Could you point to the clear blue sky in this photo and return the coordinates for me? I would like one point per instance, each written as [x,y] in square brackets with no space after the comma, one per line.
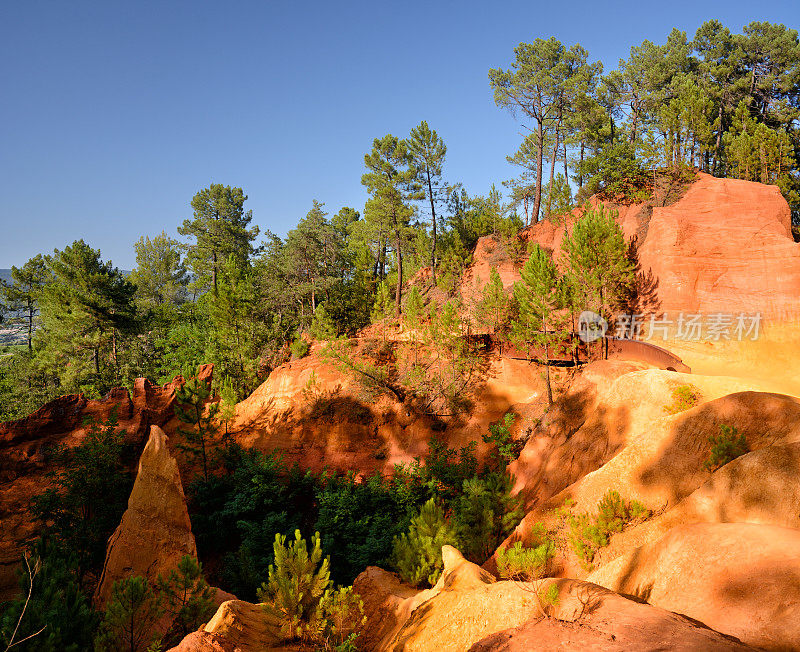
[113,114]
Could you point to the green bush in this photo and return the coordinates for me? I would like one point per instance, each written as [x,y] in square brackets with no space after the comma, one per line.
[299,348]
[299,594]
[187,597]
[725,447]
[485,514]
[417,555]
[500,435]
[683,398]
[358,521]
[527,564]
[57,608]
[587,533]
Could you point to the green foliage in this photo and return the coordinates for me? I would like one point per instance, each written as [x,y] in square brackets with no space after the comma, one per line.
[300,347]
[322,326]
[526,564]
[297,583]
[725,447]
[417,555]
[87,309]
[130,618]
[192,408]
[160,275]
[413,308]
[343,612]
[539,298]
[187,598]
[485,514]
[88,494]
[500,436]
[492,310]
[358,521]
[56,607]
[683,398]
[219,228]
[587,533]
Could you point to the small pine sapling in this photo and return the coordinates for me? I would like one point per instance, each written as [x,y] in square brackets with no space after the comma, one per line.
[725,447]
[191,409]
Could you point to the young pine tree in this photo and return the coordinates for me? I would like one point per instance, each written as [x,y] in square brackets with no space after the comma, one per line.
[131,615]
[297,583]
[417,555]
[188,598]
[492,309]
[383,307]
[538,297]
[190,408]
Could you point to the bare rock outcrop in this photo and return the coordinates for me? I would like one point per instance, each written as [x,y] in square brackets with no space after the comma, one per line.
[155,531]
[741,579]
[469,609]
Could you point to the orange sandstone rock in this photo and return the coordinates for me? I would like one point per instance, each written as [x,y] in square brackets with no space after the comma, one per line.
[155,532]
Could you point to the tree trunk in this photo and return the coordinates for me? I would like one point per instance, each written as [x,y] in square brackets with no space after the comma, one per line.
[547,371]
[433,221]
[398,294]
[552,174]
[537,199]
[214,271]
[580,173]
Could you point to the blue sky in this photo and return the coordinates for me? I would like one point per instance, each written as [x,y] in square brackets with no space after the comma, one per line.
[114,114]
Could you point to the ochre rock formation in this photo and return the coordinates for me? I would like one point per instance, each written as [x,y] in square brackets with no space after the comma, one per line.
[725,246]
[155,532]
[741,579]
[758,487]
[318,416]
[610,623]
[237,626]
[469,609]
[23,443]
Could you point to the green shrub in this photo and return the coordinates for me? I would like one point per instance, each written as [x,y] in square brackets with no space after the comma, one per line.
[587,533]
[50,602]
[725,447]
[417,555]
[485,514]
[500,435]
[299,348]
[187,597]
[527,564]
[343,613]
[683,398]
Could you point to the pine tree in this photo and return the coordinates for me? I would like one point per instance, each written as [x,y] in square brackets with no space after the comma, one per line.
[485,514]
[187,598]
[595,255]
[51,603]
[298,580]
[130,618]
[493,307]
[538,296]
[190,408]
[219,227]
[428,151]
[21,297]
[417,555]
[383,307]
[412,311]
[391,180]
[86,307]
[322,326]
[160,275]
